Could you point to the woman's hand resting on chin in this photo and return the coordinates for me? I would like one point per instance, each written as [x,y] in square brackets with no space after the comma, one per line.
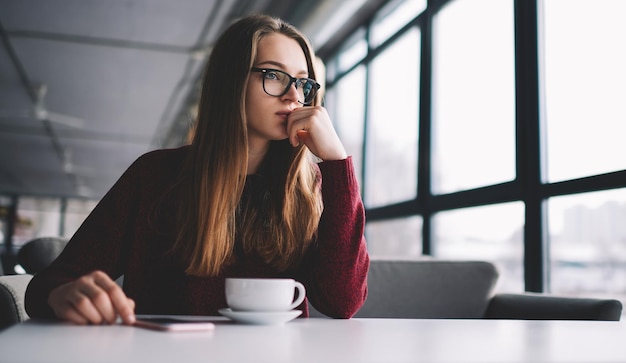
[312,126]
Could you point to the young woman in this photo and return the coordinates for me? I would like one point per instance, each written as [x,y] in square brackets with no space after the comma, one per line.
[244,199]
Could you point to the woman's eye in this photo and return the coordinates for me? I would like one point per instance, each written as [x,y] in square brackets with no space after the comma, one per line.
[272,75]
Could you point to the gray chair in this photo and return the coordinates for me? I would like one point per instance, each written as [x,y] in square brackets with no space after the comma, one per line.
[12,290]
[428,289]
[531,306]
[38,253]
[439,289]
[34,256]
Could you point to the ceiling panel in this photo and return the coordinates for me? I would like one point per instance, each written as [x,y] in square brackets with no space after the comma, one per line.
[161,22]
[122,67]
[123,88]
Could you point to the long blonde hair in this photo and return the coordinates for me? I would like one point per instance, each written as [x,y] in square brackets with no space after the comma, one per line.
[210,215]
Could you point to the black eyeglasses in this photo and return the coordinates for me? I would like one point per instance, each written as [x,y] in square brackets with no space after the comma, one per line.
[276,83]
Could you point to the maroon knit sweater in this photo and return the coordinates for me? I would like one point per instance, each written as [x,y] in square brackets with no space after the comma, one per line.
[134,226]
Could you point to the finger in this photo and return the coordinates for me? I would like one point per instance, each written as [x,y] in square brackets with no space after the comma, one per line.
[298,121]
[72,316]
[294,129]
[116,302]
[82,303]
[129,319]
[101,296]
[101,301]
[66,311]
[61,300]
[302,136]
[131,303]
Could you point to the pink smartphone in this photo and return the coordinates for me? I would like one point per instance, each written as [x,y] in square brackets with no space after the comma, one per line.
[173,324]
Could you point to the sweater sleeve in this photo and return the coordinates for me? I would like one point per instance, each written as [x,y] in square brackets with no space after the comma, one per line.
[98,244]
[336,266]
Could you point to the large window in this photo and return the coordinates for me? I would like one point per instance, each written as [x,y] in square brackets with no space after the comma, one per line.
[396,238]
[585,87]
[473,95]
[391,145]
[36,217]
[31,217]
[493,233]
[491,129]
[75,213]
[587,237]
[347,99]
[585,118]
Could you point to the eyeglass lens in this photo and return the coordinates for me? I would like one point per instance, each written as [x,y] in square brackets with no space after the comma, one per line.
[277,83]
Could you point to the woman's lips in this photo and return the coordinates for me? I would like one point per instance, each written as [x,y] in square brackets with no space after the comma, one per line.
[283,114]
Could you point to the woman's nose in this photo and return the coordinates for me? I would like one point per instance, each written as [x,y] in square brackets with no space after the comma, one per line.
[292,93]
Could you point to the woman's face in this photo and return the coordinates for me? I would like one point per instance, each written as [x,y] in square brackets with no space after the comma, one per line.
[267,115]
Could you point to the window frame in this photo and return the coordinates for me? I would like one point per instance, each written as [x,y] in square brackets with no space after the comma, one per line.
[528,185]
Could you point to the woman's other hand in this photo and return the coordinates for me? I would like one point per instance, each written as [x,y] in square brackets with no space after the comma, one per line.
[92,299]
[312,126]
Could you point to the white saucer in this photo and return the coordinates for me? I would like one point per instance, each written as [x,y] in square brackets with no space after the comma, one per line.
[260,318]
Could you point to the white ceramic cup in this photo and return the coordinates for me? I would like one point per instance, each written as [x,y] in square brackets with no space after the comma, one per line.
[256,294]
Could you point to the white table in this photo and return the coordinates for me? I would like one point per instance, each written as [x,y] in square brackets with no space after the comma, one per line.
[323,341]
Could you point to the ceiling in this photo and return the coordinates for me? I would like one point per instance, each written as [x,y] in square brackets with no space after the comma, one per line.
[87,86]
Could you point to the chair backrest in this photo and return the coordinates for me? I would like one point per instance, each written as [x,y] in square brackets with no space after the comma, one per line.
[38,253]
[533,306]
[428,288]
[12,290]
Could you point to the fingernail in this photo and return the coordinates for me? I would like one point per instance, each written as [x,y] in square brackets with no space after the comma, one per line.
[130,319]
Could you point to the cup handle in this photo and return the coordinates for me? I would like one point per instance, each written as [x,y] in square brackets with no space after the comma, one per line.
[301,295]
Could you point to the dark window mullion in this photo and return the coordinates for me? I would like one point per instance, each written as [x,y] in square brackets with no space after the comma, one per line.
[528,151]
[424,194]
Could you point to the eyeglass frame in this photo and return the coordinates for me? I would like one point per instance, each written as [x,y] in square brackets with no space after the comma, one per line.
[292,80]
